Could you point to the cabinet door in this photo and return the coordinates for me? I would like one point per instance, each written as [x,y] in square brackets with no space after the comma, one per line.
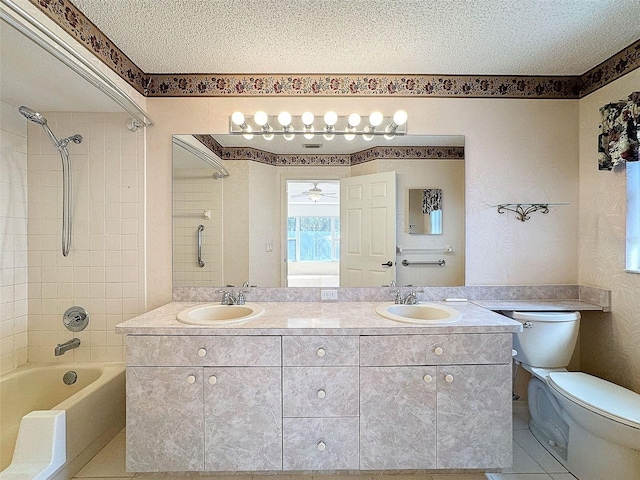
[474,416]
[243,418]
[397,418]
[164,419]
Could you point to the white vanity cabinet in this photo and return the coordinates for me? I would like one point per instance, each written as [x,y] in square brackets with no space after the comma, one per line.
[320,402]
[204,403]
[435,401]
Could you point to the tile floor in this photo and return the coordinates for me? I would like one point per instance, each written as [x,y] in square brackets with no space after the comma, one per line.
[530,462]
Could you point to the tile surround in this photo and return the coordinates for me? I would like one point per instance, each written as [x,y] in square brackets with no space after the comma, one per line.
[104,270]
[13,238]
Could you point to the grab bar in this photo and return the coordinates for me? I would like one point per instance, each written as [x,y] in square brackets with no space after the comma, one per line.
[435,262]
[200,229]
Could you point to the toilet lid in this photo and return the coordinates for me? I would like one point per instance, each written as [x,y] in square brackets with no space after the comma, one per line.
[602,397]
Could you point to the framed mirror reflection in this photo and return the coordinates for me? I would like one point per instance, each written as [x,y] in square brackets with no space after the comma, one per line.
[269,215]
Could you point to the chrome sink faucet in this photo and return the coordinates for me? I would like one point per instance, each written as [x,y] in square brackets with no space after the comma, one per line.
[410,299]
[229,298]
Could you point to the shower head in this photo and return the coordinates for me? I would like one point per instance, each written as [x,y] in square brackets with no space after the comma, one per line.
[32,115]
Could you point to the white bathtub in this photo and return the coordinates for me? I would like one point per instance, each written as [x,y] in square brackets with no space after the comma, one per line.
[94,406]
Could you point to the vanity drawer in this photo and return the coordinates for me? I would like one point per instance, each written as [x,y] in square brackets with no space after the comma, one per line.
[193,350]
[467,348]
[320,391]
[298,351]
[320,443]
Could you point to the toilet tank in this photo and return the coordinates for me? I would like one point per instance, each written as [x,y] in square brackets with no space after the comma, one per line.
[547,339]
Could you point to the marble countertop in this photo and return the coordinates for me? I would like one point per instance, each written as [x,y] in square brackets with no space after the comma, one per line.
[318,318]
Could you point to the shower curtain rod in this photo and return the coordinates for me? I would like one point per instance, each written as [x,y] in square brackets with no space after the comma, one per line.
[208,159]
[75,61]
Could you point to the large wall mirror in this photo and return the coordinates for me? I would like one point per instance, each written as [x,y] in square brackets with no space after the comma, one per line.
[280,214]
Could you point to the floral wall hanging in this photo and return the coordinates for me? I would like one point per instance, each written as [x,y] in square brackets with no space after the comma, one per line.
[618,139]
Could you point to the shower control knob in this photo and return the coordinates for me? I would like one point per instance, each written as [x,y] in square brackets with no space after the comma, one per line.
[448,378]
[321,352]
[191,379]
[202,352]
[438,351]
[75,319]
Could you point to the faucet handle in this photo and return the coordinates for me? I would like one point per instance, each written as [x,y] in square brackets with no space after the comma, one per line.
[398,297]
[225,297]
[241,299]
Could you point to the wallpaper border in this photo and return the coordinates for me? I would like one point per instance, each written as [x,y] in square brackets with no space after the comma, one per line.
[76,24]
[357,158]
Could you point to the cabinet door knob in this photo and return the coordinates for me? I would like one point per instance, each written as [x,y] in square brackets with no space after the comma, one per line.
[427,378]
[322,394]
[202,352]
[321,352]
[438,351]
[191,379]
[448,378]
[321,446]
[213,379]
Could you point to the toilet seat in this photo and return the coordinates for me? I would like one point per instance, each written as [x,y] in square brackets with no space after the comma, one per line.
[599,396]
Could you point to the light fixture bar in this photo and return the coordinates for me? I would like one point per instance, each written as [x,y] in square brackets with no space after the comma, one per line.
[329,124]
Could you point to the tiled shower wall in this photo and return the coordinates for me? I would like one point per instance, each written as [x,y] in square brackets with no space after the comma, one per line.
[104,272]
[195,191]
[13,238]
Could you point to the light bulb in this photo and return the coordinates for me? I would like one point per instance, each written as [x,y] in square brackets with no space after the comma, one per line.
[307,118]
[354,120]
[367,137]
[349,136]
[248,135]
[289,136]
[268,136]
[389,136]
[308,132]
[285,119]
[237,118]
[328,136]
[330,118]
[400,117]
[261,118]
[376,118]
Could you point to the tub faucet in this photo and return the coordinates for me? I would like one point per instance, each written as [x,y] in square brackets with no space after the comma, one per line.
[63,347]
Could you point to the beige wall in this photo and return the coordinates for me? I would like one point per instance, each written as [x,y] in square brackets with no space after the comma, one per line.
[516,151]
[610,344]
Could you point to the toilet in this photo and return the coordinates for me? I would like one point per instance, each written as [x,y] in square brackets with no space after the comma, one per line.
[589,425]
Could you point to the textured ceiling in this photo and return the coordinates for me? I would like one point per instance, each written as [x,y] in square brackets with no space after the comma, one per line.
[472,37]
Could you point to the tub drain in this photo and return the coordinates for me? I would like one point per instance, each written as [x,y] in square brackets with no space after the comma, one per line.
[70,377]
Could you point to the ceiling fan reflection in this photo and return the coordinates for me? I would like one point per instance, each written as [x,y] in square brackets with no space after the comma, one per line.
[314,194]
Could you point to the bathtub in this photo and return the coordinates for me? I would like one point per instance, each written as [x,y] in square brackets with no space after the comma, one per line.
[94,407]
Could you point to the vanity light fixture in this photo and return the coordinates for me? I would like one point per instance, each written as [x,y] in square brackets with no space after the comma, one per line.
[329,125]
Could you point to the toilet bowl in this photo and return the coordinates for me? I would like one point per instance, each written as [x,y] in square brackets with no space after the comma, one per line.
[590,425]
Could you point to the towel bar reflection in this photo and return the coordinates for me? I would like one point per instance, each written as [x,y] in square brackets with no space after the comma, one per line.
[200,230]
[435,262]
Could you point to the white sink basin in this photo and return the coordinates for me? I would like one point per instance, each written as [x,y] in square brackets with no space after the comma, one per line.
[423,313]
[216,314]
